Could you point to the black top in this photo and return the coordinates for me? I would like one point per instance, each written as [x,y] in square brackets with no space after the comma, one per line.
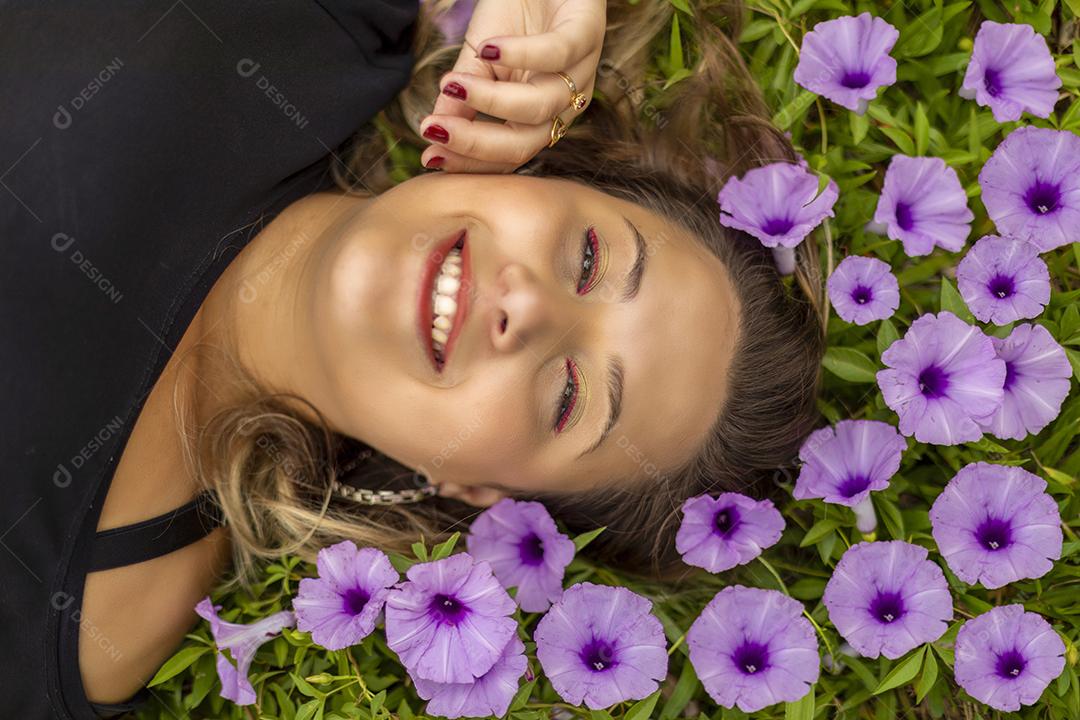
[142,146]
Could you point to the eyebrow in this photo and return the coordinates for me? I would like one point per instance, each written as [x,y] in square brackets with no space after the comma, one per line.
[615,385]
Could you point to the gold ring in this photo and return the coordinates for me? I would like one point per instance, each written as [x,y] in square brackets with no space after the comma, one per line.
[558,129]
[577,99]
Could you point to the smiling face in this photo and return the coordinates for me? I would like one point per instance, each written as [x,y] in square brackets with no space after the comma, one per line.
[579,308]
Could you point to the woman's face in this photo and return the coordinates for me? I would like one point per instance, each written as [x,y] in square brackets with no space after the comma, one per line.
[563,332]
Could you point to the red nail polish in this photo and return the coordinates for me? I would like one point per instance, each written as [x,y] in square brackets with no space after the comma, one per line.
[454,90]
[437,133]
[435,161]
[489,52]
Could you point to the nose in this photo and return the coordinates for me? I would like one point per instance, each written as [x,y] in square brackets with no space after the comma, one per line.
[525,311]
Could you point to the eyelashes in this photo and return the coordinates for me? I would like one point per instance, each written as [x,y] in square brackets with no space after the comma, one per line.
[590,262]
[591,272]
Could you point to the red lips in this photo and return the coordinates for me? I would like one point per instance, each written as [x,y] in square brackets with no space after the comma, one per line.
[425,315]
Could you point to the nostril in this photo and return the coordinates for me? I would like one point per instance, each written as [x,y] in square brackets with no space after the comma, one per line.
[502,324]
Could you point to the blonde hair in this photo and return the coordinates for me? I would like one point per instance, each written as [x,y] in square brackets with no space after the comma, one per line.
[271,467]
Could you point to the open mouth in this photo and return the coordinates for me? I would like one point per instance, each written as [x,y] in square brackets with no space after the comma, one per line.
[443,301]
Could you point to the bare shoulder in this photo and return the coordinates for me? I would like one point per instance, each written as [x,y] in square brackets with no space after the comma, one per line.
[133,618]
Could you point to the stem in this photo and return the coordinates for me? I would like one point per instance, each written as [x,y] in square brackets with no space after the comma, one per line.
[824,125]
[675,645]
[828,269]
[828,647]
[775,574]
[359,677]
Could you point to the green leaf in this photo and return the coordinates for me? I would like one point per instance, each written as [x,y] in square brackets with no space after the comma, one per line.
[921,130]
[303,686]
[684,691]
[850,364]
[179,662]
[922,35]
[801,709]
[585,538]
[377,702]
[904,672]
[682,5]
[420,551]
[860,124]
[308,709]
[952,301]
[794,110]
[642,709]
[818,531]
[886,335]
[900,139]
[521,697]
[675,51]
[928,677]
[443,549]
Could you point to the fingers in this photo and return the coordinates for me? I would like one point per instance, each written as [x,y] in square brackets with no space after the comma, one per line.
[436,157]
[579,33]
[543,96]
[467,64]
[496,142]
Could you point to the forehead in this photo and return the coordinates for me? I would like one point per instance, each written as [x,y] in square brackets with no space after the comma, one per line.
[677,340]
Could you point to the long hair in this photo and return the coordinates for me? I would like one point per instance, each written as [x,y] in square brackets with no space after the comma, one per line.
[271,467]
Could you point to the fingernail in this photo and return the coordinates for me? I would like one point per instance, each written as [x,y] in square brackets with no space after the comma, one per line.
[437,133]
[454,90]
[435,161]
[489,52]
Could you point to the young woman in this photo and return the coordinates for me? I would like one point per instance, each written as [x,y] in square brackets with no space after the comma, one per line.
[229,333]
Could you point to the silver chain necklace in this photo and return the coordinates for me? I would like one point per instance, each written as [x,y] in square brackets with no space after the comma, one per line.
[365,496]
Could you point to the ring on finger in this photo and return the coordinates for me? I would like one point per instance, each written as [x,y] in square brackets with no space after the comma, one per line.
[577,99]
[558,129]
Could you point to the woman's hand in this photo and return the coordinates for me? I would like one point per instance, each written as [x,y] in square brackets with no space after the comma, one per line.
[521,44]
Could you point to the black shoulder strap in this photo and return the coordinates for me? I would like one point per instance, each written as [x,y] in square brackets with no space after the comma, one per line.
[157,536]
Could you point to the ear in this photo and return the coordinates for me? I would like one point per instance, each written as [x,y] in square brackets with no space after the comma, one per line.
[474,495]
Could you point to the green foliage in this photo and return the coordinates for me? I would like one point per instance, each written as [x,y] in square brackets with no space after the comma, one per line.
[920,114]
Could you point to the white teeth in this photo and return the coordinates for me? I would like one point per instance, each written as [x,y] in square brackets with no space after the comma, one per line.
[448,285]
[444,301]
[445,305]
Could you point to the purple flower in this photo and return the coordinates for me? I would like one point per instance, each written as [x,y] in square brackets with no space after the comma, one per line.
[525,550]
[994,524]
[242,641]
[450,622]
[844,465]
[489,695]
[1031,187]
[1003,280]
[753,648]
[847,60]
[923,205]
[776,203]
[1007,657]
[601,645]
[943,378]
[731,529]
[886,598]
[1037,381]
[862,289]
[340,607]
[1011,70]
